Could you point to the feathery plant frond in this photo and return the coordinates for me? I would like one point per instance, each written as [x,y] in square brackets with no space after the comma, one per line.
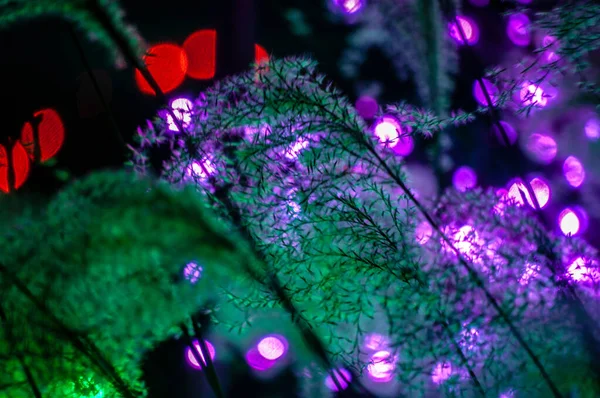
[328,207]
[84,14]
[109,249]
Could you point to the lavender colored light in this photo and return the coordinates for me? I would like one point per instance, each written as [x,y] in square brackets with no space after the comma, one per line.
[272,347]
[469,27]
[531,94]
[551,44]
[464,178]
[423,232]
[580,272]
[517,29]
[182,107]
[294,150]
[531,271]
[542,147]
[541,190]
[569,222]
[257,361]
[490,88]
[200,168]
[349,6]
[192,272]
[366,107]
[392,135]
[573,171]
[441,372]
[189,355]
[510,131]
[342,376]
[375,341]
[381,368]
[592,129]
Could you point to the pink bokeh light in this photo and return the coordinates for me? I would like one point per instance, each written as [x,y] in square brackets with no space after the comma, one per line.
[464,178]
[272,347]
[375,341]
[532,94]
[551,45]
[579,270]
[182,108]
[573,171]
[201,169]
[342,376]
[382,366]
[257,361]
[349,6]
[441,372]
[569,222]
[192,272]
[491,89]
[592,129]
[542,148]
[391,134]
[541,190]
[517,29]
[366,107]
[469,27]
[423,232]
[510,131]
[189,355]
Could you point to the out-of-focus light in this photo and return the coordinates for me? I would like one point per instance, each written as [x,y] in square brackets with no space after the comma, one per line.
[391,134]
[531,271]
[182,108]
[517,29]
[580,272]
[464,178]
[294,150]
[507,394]
[541,190]
[381,368]
[510,131]
[542,147]
[573,171]
[375,341]
[189,355]
[168,65]
[569,222]
[469,338]
[469,27]
[201,50]
[349,6]
[592,129]
[551,45]
[423,232]
[532,94]
[342,376]
[192,272]
[200,168]
[366,107]
[441,372]
[257,361]
[491,89]
[272,347]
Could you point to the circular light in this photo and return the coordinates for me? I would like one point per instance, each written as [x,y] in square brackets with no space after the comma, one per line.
[349,6]
[510,131]
[480,96]
[257,361]
[533,95]
[469,28]
[580,272]
[392,135]
[517,29]
[441,372]
[592,129]
[569,222]
[542,147]
[541,190]
[192,272]
[189,355]
[464,178]
[342,376]
[382,366]
[573,171]
[271,348]
[182,108]
[201,169]
[167,63]
[366,107]
[201,50]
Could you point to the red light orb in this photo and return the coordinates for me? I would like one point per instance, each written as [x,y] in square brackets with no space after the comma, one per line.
[201,50]
[50,135]
[17,163]
[168,65]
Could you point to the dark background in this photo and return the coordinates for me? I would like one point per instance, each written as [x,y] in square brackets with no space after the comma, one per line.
[41,68]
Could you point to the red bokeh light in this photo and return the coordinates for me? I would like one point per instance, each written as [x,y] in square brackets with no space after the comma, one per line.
[260,54]
[167,63]
[18,161]
[50,135]
[201,50]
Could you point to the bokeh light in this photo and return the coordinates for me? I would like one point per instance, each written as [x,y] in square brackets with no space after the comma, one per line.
[592,129]
[464,178]
[423,232]
[201,169]
[541,190]
[349,6]
[168,65]
[375,341]
[192,272]
[342,376]
[469,27]
[510,131]
[294,150]
[366,106]
[551,45]
[441,372]
[517,29]
[542,148]
[573,171]
[20,167]
[569,222]
[580,272]
[257,361]
[272,347]
[50,135]
[391,134]
[189,355]
[491,89]
[381,368]
[531,271]
[201,50]
[182,107]
[532,94]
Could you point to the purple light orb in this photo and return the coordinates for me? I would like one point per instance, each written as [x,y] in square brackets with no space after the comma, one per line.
[592,129]
[469,27]
[182,108]
[531,94]
[381,368]
[294,150]
[510,131]
[375,342]
[201,169]
[573,171]
[342,376]
[542,147]
[192,272]
[517,29]
[349,7]
[517,190]
[272,347]
[551,45]
[491,89]
[423,232]
[257,361]
[464,178]
[580,272]
[189,355]
[569,222]
[366,107]
[441,372]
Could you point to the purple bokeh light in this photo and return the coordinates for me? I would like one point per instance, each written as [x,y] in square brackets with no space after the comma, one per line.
[349,6]
[469,27]
[391,134]
[272,347]
[441,372]
[517,29]
[510,131]
[573,171]
[569,222]
[381,368]
[192,272]
[342,375]
[257,361]
[182,108]
[366,107]
[535,95]
[541,190]
[423,232]
[464,178]
[531,271]
[200,168]
[592,129]
[490,88]
[579,271]
[376,342]
[542,147]
[189,355]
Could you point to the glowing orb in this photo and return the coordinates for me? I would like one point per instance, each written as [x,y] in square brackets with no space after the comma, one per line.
[592,129]
[366,107]
[480,96]
[533,95]
[189,355]
[201,169]
[580,272]
[464,178]
[469,27]
[517,29]
[349,6]
[257,361]
[168,65]
[342,376]
[423,232]
[382,366]
[511,133]
[192,272]
[542,148]
[182,107]
[18,163]
[375,341]
[50,135]
[271,347]
[569,222]
[541,190]
[441,372]
[201,50]
[573,171]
